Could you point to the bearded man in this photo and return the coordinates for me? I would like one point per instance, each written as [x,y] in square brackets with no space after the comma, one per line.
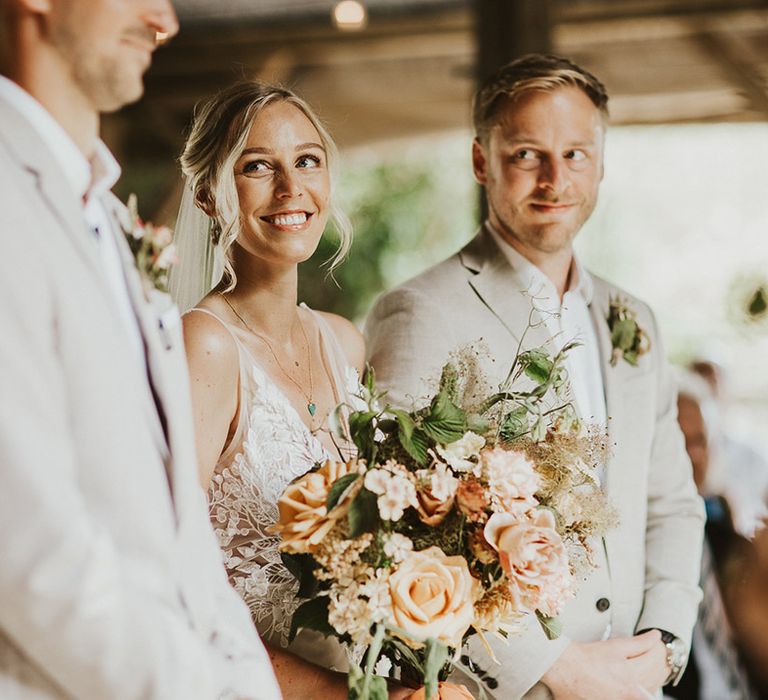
[540,125]
[111,579]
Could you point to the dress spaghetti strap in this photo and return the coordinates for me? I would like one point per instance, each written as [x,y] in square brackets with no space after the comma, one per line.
[244,357]
[337,359]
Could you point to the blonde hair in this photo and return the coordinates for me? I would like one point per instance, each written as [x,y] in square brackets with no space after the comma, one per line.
[529,73]
[216,141]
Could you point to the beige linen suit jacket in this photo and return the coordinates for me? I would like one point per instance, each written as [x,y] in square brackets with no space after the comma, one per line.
[648,567]
[111,579]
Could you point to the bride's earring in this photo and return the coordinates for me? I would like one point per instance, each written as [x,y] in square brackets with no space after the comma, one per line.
[214,230]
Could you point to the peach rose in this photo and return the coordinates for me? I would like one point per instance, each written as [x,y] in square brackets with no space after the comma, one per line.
[304,520]
[472,499]
[445,691]
[437,488]
[431,510]
[433,595]
[534,558]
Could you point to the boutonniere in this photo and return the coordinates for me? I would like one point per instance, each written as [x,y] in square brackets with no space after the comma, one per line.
[627,338]
[152,246]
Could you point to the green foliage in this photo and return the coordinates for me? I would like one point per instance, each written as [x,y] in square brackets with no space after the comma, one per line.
[437,656]
[302,566]
[413,440]
[338,488]
[627,338]
[363,513]
[536,365]
[445,421]
[375,689]
[368,686]
[449,537]
[552,626]
[312,615]
[407,214]
[363,433]
[515,424]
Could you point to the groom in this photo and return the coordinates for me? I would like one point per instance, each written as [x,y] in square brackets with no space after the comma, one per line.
[540,125]
[111,581]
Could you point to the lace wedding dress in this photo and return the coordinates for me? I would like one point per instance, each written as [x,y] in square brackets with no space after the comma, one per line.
[271,446]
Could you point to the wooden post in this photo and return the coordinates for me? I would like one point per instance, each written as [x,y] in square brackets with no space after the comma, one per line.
[505,30]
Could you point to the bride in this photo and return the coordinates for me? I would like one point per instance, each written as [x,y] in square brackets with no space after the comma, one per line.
[266,372]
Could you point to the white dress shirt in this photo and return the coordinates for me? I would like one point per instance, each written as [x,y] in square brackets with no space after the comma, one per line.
[89,181]
[566,321]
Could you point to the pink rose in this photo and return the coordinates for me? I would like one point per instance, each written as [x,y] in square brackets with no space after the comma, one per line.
[512,480]
[534,558]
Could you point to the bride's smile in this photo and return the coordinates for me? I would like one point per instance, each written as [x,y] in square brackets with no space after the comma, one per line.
[283,186]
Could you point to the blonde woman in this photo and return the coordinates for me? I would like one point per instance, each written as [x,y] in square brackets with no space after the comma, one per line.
[266,371]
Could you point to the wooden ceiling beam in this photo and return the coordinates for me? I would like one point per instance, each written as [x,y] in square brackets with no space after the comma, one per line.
[739,62]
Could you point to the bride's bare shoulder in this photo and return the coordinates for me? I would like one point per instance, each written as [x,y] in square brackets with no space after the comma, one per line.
[206,336]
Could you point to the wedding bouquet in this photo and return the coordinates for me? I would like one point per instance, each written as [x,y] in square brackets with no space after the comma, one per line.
[463,517]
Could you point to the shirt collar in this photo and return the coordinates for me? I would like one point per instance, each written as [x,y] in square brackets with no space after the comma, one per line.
[537,282]
[87,179]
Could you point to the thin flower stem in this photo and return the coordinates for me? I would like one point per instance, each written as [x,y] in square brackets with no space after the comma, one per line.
[371,656]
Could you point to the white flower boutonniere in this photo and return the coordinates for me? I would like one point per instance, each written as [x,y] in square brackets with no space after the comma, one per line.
[627,338]
[152,247]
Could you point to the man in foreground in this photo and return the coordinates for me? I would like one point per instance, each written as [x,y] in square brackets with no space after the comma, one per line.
[111,582]
[540,126]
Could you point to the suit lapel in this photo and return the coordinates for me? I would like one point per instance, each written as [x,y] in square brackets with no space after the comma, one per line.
[620,426]
[501,290]
[157,398]
[32,153]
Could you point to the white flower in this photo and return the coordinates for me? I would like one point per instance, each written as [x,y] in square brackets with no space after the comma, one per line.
[457,454]
[390,508]
[442,483]
[167,258]
[348,613]
[394,488]
[383,666]
[162,236]
[377,481]
[397,547]
[400,493]
[376,589]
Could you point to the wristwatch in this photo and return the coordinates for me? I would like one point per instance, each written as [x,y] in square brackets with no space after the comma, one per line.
[677,653]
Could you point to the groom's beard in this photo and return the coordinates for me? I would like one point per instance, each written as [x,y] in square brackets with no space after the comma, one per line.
[534,231]
[109,75]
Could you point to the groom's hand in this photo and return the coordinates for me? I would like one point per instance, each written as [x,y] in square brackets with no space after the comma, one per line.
[626,668]
[651,666]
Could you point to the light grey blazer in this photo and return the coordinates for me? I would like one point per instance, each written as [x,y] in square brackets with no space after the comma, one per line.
[648,572]
[111,580]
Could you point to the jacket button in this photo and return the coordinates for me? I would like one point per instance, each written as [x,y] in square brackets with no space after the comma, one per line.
[603,604]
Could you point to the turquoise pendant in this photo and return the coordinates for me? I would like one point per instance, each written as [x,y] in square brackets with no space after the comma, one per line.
[311,408]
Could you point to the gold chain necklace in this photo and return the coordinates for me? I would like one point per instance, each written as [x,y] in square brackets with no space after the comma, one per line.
[311,406]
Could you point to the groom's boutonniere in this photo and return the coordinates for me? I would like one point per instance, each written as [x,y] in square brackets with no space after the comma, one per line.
[627,338]
[152,248]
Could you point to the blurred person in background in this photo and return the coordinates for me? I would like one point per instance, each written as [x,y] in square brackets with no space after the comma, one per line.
[738,471]
[716,669]
[747,603]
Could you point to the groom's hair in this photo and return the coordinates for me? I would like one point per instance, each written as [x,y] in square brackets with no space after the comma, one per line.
[533,72]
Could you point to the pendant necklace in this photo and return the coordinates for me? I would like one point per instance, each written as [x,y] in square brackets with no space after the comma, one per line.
[311,406]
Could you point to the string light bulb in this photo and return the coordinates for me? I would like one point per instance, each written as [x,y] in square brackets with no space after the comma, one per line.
[350,15]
